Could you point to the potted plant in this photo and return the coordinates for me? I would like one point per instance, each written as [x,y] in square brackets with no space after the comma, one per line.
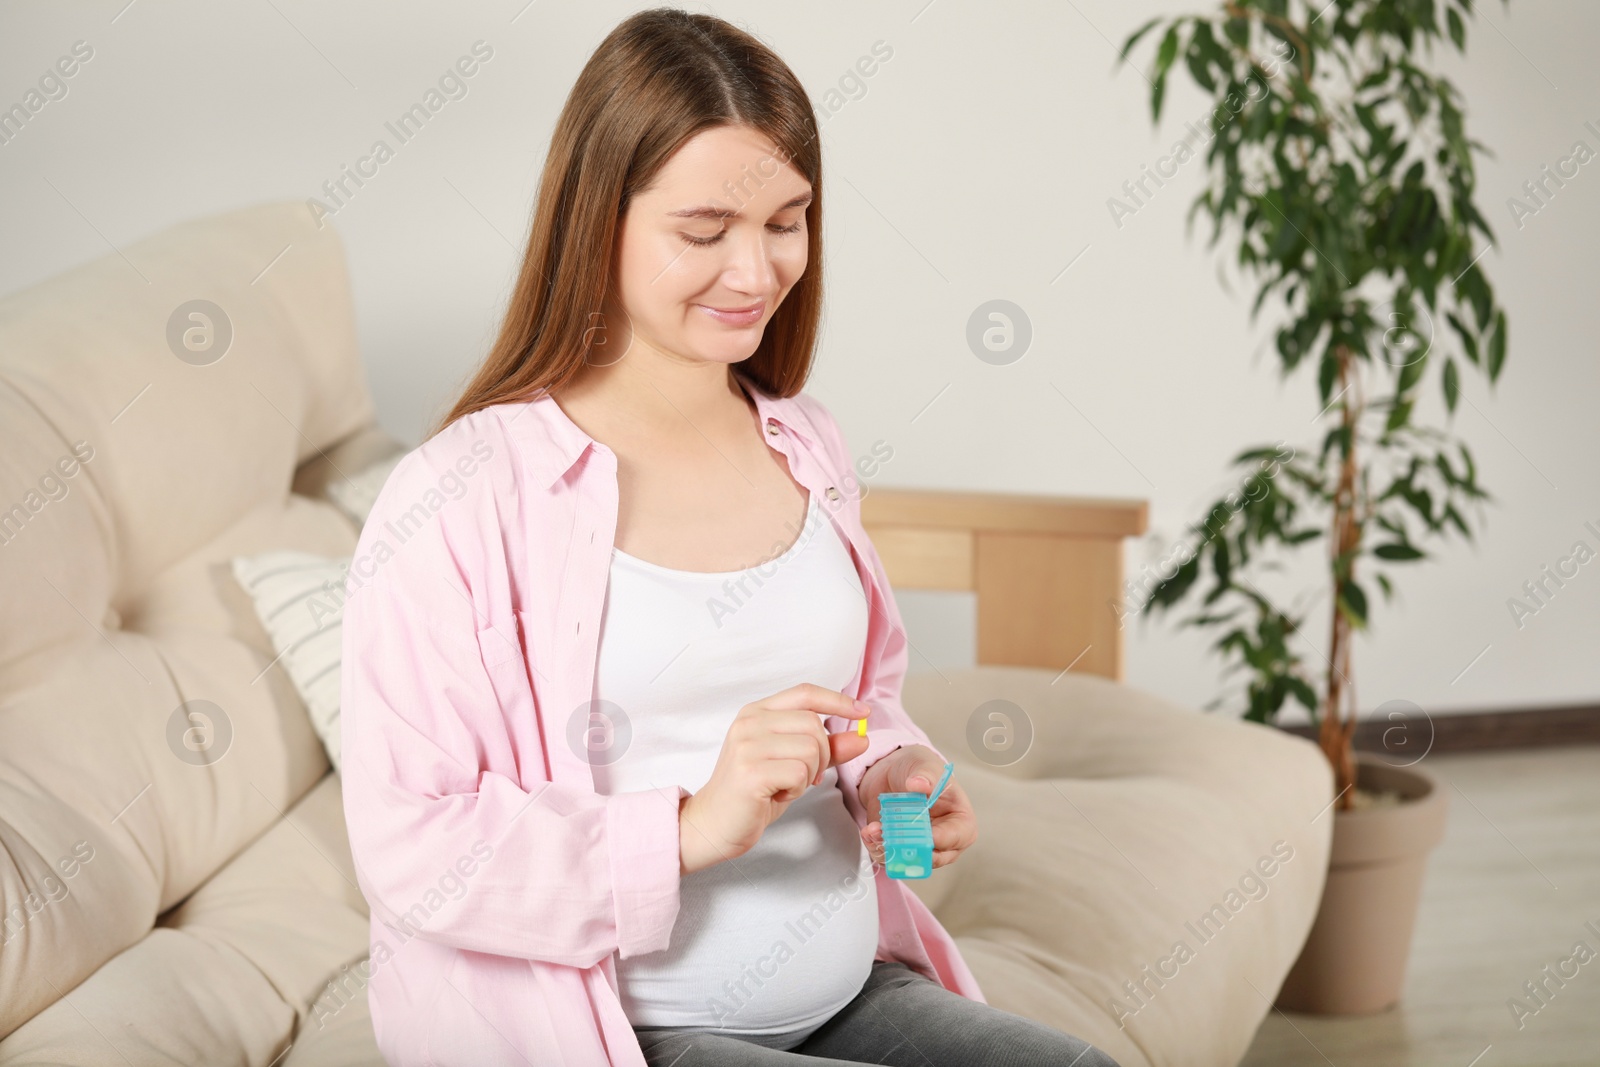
[1344,171]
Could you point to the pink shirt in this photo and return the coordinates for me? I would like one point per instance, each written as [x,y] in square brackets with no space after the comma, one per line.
[502,886]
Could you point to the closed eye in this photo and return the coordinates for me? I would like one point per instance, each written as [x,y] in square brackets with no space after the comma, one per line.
[702,241]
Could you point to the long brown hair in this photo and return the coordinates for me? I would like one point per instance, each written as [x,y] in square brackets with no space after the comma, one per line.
[658,79]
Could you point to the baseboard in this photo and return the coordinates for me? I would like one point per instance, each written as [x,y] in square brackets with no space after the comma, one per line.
[1468,732]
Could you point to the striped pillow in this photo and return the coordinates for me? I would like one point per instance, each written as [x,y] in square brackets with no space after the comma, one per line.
[356,494]
[299,598]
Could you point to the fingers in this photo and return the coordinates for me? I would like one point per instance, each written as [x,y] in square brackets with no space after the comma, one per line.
[872,837]
[956,829]
[816,698]
[795,710]
[792,715]
[922,772]
[783,748]
[844,748]
[759,721]
[784,779]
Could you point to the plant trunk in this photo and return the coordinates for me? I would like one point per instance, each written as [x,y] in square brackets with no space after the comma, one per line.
[1337,729]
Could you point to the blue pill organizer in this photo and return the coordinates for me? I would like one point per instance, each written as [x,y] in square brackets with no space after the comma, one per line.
[907,835]
[908,831]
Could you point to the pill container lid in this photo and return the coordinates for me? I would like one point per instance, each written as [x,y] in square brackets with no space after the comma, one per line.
[949,768]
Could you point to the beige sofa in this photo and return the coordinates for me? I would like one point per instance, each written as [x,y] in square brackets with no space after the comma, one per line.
[164,907]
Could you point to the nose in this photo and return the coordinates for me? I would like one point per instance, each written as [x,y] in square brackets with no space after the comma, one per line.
[750,268]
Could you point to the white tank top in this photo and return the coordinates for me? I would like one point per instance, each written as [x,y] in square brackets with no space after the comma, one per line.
[769,945]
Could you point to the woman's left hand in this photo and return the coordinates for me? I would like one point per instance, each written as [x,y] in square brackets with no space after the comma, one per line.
[917,769]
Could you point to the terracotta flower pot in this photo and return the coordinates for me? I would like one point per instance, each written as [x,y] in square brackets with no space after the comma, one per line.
[1354,960]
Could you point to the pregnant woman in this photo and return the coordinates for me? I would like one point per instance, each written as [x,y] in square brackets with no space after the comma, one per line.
[610,631]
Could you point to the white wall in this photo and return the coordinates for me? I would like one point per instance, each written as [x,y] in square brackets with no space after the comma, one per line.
[977,165]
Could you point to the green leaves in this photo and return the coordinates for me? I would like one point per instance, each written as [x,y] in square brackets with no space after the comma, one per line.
[1411,373]
[1472,285]
[1237,31]
[1326,374]
[1170,590]
[1343,195]
[1164,57]
[1497,346]
[1353,604]
[1303,693]
[1277,670]
[1469,343]
[1133,39]
[1452,386]
[1222,564]
[1202,54]
[1399,415]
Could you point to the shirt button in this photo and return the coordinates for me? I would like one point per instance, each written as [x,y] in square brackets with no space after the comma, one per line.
[833,494]
[772,427]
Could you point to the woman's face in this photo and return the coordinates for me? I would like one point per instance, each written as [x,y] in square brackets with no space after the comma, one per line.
[709,251]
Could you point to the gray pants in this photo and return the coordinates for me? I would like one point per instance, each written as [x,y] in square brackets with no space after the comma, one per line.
[899,1018]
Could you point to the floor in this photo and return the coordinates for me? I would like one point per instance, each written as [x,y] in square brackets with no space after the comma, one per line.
[1508,892]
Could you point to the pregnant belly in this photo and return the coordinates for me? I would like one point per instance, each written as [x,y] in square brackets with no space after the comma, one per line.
[774,940]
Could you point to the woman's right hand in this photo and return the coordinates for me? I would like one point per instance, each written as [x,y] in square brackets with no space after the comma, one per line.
[774,751]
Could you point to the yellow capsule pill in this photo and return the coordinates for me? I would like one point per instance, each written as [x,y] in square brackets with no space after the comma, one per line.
[861,727]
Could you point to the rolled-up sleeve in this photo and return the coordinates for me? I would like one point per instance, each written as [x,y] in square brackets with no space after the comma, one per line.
[448,845]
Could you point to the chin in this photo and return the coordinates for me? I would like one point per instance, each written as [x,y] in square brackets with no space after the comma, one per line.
[727,349]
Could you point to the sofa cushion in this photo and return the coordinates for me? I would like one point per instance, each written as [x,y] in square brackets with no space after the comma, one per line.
[265,954]
[1114,838]
[139,719]
[177,451]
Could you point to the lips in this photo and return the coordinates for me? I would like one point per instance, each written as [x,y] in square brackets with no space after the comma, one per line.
[745,316]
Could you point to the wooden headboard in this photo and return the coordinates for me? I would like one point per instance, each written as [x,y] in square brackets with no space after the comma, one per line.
[1047,569]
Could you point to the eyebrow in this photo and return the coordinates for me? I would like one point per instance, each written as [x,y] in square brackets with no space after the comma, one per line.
[716,212]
